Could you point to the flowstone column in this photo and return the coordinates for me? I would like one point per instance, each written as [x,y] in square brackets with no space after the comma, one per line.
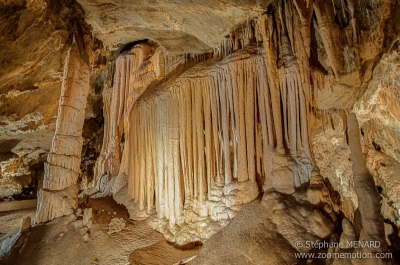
[365,188]
[59,195]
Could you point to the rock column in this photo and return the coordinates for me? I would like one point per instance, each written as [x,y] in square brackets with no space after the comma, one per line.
[364,186]
[59,195]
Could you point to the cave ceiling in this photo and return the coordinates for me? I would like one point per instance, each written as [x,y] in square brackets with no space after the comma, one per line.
[195,26]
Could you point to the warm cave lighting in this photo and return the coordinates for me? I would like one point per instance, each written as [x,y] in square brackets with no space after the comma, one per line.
[175,132]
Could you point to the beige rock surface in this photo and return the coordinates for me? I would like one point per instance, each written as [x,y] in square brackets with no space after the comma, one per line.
[332,156]
[11,220]
[378,112]
[30,67]
[206,105]
[289,96]
[58,196]
[266,231]
[178,26]
[67,241]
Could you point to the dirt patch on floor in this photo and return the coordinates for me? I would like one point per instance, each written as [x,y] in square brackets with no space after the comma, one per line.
[67,241]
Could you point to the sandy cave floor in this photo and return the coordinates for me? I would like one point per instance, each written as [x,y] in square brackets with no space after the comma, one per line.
[67,241]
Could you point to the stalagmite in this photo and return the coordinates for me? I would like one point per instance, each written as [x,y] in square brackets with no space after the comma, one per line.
[364,186]
[59,195]
[246,149]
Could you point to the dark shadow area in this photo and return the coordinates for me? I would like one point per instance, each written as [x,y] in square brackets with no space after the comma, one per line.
[130,45]
[5,148]
[394,241]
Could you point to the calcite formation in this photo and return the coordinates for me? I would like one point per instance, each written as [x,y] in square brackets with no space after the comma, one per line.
[34,40]
[58,196]
[133,73]
[372,226]
[378,113]
[207,106]
[178,26]
[204,142]
[371,221]
[195,135]
[31,67]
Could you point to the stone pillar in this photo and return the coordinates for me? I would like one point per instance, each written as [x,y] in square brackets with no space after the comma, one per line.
[59,195]
[365,188]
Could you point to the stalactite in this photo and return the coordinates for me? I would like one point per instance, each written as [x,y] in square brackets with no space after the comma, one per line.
[233,130]
[249,114]
[199,119]
[197,139]
[183,140]
[330,34]
[224,104]
[215,129]
[188,102]
[135,70]
[208,135]
[111,154]
[189,131]
[268,32]
[194,142]
[160,155]
[242,155]
[304,12]
[317,78]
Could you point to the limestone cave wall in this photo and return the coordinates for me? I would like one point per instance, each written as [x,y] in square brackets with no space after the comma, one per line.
[185,123]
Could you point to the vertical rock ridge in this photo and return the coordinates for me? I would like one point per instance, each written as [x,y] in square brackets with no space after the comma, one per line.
[213,125]
[59,195]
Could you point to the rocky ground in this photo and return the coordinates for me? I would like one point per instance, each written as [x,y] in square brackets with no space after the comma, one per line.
[68,240]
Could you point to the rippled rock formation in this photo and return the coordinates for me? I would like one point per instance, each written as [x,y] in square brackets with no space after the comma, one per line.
[194,113]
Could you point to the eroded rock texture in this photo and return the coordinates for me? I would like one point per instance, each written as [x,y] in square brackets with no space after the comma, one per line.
[193,139]
[206,105]
[34,41]
[58,196]
[213,137]
[261,232]
[178,26]
[30,66]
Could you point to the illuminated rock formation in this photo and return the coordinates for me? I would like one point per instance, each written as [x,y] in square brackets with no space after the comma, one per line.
[194,144]
[212,137]
[372,220]
[58,196]
[129,82]
[212,110]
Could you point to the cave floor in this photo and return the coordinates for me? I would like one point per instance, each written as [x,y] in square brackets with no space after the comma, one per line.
[67,241]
